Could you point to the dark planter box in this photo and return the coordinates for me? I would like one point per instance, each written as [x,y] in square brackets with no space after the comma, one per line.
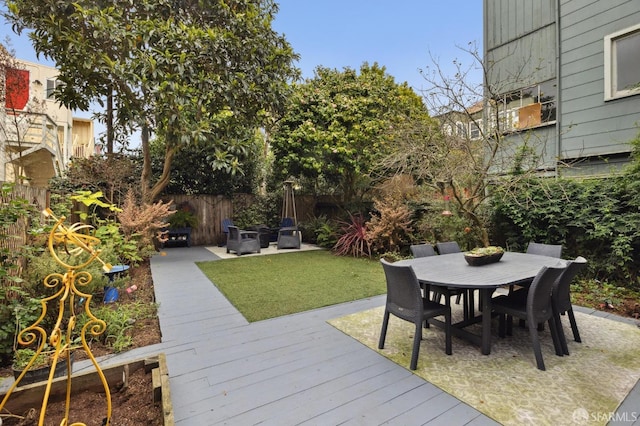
[178,237]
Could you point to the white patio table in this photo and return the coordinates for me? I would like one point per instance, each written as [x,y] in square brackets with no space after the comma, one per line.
[452,271]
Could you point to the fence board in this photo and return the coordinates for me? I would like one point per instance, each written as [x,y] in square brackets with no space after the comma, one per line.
[210,210]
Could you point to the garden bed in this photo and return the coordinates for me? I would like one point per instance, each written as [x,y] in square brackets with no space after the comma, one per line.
[139,396]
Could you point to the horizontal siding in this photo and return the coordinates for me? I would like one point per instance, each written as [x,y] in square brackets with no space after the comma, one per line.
[591,126]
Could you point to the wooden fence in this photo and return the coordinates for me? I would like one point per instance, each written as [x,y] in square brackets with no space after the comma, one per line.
[210,210]
[39,197]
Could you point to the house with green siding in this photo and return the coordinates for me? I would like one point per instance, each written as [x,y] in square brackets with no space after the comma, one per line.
[565,73]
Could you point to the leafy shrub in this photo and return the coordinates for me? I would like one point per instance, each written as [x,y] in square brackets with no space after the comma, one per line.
[390,226]
[593,218]
[183,219]
[352,238]
[319,230]
[119,319]
[257,210]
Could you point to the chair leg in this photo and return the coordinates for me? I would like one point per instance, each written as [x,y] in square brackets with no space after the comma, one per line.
[447,333]
[502,325]
[555,336]
[383,332]
[561,336]
[417,337]
[535,342]
[574,326]
[509,325]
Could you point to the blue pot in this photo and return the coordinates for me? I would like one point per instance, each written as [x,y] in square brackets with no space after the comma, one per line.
[111,294]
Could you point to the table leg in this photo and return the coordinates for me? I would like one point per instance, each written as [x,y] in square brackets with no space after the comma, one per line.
[486,320]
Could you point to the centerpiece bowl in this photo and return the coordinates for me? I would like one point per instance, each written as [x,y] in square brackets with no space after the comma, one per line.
[484,255]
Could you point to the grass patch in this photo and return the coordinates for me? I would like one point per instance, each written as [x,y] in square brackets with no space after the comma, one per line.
[262,287]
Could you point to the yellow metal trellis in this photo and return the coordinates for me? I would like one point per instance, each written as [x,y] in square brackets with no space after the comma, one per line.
[75,241]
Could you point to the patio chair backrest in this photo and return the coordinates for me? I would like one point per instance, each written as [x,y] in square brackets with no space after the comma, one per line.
[226,223]
[562,287]
[539,305]
[404,297]
[287,222]
[551,250]
[233,233]
[448,247]
[422,250]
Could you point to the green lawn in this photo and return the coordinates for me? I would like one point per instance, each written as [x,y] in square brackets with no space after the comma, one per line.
[262,287]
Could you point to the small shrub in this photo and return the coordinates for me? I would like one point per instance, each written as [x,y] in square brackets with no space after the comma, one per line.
[119,320]
[390,228]
[319,230]
[353,238]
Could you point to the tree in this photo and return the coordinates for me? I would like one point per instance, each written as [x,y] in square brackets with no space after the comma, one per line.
[190,72]
[338,124]
[461,165]
[198,170]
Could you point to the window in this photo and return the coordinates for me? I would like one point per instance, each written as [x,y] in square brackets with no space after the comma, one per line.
[474,130]
[51,86]
[528,107]
[622,63]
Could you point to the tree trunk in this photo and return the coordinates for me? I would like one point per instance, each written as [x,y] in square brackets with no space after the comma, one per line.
[109,122]
[145,177]
[150,192]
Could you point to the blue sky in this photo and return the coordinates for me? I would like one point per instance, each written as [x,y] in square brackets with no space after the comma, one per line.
[399,35]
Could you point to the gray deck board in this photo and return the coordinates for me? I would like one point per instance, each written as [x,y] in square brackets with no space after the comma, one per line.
[290,370]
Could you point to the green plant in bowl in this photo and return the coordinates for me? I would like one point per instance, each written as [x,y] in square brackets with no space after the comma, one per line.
[485,251]
[484,255]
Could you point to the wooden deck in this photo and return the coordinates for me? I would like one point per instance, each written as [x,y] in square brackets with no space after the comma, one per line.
[285,371]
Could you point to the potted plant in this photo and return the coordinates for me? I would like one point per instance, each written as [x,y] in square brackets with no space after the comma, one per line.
[180,224]
[484,255]
[183,219]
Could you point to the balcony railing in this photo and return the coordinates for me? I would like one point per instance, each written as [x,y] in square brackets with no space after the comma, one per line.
[29,131]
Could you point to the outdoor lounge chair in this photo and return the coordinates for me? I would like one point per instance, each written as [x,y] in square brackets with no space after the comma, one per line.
[405,301]
[289,235]
[242,241]
[226,223]
[537,308]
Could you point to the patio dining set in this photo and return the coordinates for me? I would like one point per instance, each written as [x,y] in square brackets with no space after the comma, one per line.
[536,286]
